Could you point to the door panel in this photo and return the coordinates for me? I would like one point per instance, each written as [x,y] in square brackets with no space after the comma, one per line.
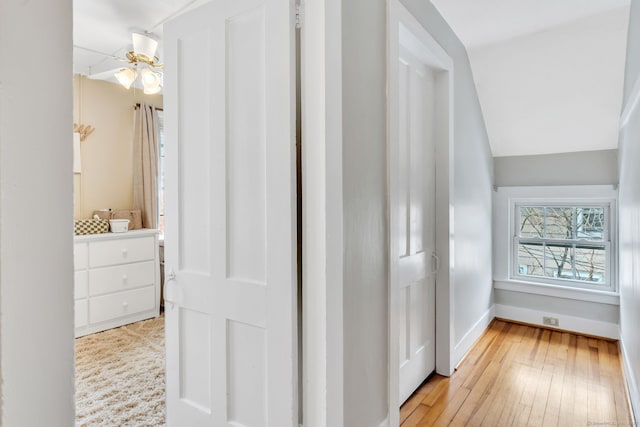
[415,189]
[230,216]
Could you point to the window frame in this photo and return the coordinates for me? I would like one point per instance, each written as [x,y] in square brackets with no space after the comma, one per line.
[608,242]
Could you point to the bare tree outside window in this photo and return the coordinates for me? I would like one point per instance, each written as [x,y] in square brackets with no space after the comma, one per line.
[562,242]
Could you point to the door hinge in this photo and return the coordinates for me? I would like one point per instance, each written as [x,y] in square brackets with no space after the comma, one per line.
[298,15]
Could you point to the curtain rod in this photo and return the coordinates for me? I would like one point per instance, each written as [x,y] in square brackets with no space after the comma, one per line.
[137,104]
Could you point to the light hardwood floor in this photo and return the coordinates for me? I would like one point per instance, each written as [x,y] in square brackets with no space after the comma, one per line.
[517,375]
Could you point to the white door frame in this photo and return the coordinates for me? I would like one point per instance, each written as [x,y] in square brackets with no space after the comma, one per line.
[403,27]
[322,210]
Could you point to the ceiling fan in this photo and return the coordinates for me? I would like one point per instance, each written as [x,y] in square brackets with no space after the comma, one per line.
[142,61]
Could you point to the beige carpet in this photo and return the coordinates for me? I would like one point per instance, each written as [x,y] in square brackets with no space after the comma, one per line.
[120,376]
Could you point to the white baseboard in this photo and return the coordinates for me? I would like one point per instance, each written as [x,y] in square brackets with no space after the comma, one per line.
[632,385]
[567,323]
[385,423]
[472,336]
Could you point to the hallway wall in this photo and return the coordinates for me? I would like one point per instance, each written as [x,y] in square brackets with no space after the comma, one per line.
[629,223]
[365,223]
[473,178]
[577,168]
[36,213]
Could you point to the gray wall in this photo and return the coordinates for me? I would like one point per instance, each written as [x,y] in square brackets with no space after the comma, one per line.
[365,198]
[36,275]
[364,218]
[580,168]
[571,307]
[608,312]
[629,225]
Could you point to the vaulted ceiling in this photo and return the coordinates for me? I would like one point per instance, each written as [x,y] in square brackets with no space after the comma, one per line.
[549,73]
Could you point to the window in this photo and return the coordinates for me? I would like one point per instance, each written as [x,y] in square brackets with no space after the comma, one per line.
[567,244]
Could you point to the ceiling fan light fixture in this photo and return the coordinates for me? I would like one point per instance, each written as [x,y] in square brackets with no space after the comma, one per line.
[152,90]
[151,81]
[149,77]
[144,46]
[126,77]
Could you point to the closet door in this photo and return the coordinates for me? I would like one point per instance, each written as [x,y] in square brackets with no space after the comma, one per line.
[414,214]
[230,237]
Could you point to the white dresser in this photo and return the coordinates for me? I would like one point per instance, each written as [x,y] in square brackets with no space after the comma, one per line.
[117,279]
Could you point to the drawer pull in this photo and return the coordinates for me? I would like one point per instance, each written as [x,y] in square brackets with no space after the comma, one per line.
[124,253]
[124,279]
[125,305]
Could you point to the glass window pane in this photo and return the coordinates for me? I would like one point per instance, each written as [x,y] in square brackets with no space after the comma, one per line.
[590,264]
[558,261]
[552,243]
[559,223]
[531,221]
[531,259]
[590,223]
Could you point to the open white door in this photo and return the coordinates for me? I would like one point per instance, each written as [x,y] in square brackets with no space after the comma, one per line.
[230,215]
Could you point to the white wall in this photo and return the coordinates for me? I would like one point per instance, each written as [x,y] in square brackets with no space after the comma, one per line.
[554,91]
[36,213]
[629,226]
[577,168]
[632,64]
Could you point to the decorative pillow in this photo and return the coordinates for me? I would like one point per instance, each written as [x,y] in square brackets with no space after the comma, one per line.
[91,226]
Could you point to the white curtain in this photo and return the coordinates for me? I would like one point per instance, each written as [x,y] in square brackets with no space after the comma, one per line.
[145,164]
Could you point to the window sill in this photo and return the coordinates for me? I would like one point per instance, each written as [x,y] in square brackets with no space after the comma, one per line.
[604,297]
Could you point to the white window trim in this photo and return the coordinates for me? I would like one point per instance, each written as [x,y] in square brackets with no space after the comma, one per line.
[503,206]
[609,284]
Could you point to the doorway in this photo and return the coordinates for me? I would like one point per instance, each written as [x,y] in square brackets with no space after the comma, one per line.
[420,154]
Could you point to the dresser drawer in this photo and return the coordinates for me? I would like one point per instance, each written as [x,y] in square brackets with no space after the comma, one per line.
[121,277]
[81,283]
[80,256]
[81,314]
[111,252]
[111,306]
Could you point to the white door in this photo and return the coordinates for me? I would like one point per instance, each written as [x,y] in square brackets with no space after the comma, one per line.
[230,216]
[413,216]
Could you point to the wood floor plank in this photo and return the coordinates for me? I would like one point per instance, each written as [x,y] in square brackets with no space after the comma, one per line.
[580,413]
[451,408]
[414,418]
[416,398]
[409,406]
[539,406]
[522,375]
[552,409]
[490,414]
[478,395]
